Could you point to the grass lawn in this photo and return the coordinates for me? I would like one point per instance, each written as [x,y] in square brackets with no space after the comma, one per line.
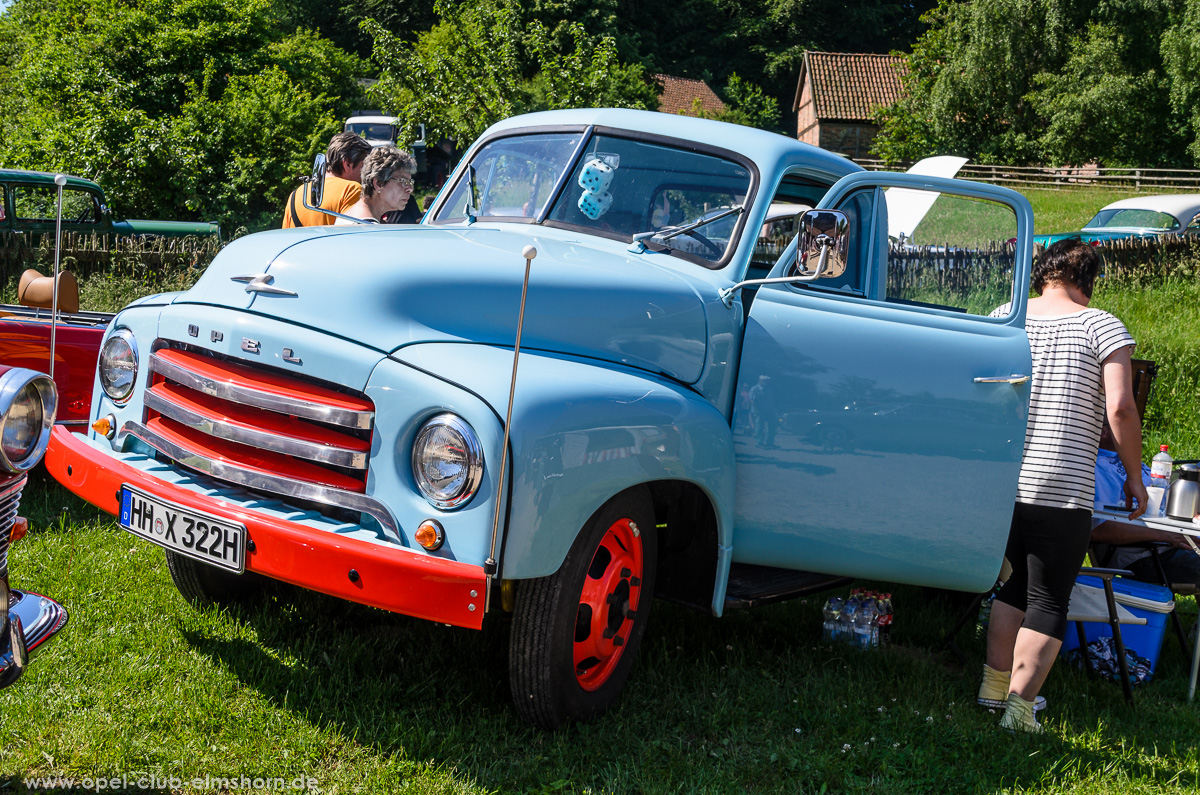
[1068,210]
[143,684]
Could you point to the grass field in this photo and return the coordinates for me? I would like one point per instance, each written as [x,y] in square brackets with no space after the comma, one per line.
[1067,210]
[142,683]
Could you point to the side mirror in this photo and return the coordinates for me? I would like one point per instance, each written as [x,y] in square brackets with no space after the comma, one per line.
[824,244]
[316,183]
[821,252]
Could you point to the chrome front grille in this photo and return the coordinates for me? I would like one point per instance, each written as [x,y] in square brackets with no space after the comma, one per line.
[261,429]
[10,500]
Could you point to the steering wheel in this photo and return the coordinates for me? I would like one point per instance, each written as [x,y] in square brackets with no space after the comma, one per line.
[708,244]
[84,215]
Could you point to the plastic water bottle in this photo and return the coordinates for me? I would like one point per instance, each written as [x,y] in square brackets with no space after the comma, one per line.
[1160,468]
[845,631]
[885,620]
[832,613]
[866,625]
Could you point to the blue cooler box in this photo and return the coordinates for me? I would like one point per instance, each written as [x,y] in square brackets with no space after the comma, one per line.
[1151,602]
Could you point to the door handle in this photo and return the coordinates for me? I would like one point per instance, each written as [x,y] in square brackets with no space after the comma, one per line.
[1002,379]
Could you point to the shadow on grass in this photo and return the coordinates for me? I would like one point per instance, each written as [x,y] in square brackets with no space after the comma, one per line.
[751,702]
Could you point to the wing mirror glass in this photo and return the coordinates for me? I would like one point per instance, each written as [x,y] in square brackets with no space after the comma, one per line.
[316,182]
[824,245]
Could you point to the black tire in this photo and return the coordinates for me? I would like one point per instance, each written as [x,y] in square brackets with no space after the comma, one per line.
[202,584]
[555,620]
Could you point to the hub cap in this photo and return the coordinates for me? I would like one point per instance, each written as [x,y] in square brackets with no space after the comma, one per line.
[608,604]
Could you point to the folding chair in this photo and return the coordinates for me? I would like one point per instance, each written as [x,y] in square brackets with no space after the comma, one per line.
[1088,606]
[1101,553]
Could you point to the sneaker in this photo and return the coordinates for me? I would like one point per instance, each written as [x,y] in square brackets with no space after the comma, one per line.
[1018,716]
[993,691]
[1039,703]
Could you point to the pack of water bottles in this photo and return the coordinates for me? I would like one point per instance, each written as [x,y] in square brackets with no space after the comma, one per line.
[862,620]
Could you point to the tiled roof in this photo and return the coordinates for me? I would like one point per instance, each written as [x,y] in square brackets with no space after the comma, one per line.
[678,95]
[849,86]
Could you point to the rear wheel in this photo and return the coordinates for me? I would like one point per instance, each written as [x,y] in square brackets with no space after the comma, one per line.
[575,634]
[202,584]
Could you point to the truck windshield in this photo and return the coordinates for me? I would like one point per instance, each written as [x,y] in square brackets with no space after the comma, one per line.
[618,188]
[513,176]
[374,131]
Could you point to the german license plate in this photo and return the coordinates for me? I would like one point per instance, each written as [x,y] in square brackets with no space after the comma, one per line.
[197,535]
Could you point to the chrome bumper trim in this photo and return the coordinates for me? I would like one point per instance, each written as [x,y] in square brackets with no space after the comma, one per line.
[336,456]
[261,481]
[28,624]
[346,418]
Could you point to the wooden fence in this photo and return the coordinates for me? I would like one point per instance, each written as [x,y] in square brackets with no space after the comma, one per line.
[951,271]
[1176,180]
[86,254]
[1160,255]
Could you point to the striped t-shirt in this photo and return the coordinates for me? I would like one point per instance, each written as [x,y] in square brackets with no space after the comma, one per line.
[1066,405]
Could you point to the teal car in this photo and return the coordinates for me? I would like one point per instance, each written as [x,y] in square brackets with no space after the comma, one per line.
[28,203]
[577,387]
[1143,216]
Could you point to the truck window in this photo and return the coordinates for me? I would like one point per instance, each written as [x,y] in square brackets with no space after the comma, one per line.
[513,176]
[40,204]
[960,257]
[657,187]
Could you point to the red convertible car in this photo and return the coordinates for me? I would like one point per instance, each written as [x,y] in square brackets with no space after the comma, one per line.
[27,337]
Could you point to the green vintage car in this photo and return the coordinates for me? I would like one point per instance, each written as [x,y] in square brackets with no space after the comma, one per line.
[28,204]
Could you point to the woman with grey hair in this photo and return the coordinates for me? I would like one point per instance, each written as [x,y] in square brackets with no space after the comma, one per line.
[387,183]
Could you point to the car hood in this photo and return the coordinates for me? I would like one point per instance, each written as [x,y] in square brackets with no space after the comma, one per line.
[392,287]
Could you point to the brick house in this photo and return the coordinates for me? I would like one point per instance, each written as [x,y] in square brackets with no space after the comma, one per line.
[837,94]
[681,95]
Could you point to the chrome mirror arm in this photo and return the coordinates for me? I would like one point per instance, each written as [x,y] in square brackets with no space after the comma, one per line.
[726,293]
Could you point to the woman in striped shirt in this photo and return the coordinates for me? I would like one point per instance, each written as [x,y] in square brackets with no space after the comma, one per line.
[1081,374]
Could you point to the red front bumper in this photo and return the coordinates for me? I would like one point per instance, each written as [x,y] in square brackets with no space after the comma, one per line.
[393,579]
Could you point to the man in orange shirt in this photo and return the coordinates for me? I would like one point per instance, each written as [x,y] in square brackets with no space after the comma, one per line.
[343,189]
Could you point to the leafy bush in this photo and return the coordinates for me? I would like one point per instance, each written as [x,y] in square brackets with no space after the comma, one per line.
[181,109]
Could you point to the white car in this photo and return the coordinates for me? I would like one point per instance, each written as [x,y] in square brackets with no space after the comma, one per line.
[1141,216]
[378,130]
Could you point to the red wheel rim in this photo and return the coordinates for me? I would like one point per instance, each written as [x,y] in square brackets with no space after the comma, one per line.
[612,590]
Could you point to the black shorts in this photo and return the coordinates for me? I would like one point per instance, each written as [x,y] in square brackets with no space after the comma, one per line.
[1046,548]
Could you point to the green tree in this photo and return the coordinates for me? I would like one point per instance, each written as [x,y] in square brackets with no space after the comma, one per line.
[482,63]
[746,103]
[179,108]
[1050,81]
[1181,53]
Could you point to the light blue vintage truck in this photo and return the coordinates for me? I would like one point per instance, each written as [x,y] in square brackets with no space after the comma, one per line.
[587,379]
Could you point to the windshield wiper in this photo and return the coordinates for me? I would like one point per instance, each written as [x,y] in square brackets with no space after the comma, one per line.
[663,234]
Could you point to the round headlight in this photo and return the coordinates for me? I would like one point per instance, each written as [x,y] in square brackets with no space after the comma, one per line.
[447,461]
[28,401]
[118,365]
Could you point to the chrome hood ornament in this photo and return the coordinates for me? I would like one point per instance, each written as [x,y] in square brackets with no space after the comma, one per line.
[261,283]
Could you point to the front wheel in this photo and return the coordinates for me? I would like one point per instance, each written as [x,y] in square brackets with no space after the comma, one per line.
[575,634]
[202,584]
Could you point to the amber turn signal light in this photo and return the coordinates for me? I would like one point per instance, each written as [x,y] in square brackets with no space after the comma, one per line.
[430,534]
[19,529]
[105,426]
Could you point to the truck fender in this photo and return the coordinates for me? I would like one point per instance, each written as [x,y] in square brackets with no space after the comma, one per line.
[582,432]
